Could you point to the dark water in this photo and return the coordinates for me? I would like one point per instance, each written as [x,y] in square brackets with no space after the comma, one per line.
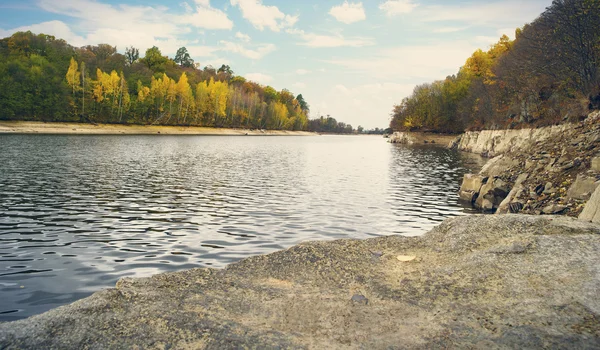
[79,212]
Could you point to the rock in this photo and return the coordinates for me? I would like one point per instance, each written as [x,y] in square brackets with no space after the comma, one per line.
[406,258]
[401,138]
[521,178]
[509,204]
[554,209]
[596,164]
[492,194]
[471,185]
[515,208]
[591,211]
[583,187]
[360,299]
[495,282]
[498,166]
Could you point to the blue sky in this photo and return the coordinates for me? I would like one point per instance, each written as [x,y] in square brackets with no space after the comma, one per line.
[350,59]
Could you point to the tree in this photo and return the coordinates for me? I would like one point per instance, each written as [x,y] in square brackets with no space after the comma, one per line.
[182,57]
[73,76]
[154,59]
[303,105]
[132,55]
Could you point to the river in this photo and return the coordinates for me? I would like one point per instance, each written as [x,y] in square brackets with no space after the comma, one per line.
[79,212]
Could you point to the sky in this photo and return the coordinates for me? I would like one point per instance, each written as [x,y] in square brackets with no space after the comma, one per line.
[352,60]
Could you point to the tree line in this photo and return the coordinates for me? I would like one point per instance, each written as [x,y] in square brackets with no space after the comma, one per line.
[547,75]
[43,78]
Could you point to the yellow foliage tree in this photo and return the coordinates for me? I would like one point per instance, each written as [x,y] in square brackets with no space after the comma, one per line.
[74,76]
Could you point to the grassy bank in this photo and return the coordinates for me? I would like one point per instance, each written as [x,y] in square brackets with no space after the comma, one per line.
[25,127]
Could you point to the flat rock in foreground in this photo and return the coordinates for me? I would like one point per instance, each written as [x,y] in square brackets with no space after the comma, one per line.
[473,282]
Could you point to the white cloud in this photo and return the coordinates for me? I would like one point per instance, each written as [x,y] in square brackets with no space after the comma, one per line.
[141,26]
[484,12]
[349,12]
[259,78]
[299,85]
[57,28]
[353,103]
[302,71]
[416,64]
[320,41]
[262,16]
[259,53]
[397,7]
[449,29]
[243,37]
[207,17]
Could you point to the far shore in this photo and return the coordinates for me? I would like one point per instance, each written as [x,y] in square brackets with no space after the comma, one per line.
[29,127]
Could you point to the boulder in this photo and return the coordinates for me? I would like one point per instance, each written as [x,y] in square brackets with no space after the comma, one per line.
[402,138]
[554,209]
[499,166]
[494,192]
[471,185]
[510,204]
[591,212]
[583,187]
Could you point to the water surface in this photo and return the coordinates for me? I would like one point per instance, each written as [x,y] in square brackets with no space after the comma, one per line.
[79,212]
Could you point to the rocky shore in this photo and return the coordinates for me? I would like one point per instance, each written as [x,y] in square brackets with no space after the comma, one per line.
[481,281]
[417,138]
[552,170]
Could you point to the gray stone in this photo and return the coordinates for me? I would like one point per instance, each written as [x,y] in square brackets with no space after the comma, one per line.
[360,299]
[591,212]
[505,206]
[401,138]
[499,166]
[496,282]
[596,164]
[494,191]
[521,178]
[554,209]
[583,187]
[470,187]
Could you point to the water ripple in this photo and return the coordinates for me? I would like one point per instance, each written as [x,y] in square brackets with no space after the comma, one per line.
[79,212]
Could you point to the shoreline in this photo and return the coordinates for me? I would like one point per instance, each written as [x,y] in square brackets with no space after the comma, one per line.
[59,128]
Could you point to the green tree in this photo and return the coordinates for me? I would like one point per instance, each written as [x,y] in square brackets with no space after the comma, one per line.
[182,58]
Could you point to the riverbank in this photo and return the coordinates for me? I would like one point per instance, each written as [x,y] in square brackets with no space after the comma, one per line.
[552,170]
[26,127]
[476,281]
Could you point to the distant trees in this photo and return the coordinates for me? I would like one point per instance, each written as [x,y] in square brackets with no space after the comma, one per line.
[329,125]
[42,78]
[548,73]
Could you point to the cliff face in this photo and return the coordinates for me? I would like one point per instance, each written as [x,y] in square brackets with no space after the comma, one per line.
[500,282]
[552,170]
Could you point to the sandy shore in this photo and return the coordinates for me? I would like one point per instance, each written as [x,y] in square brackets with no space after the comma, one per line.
[26,127]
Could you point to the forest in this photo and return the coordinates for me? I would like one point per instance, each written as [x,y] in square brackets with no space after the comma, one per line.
[43,78]
[549,74]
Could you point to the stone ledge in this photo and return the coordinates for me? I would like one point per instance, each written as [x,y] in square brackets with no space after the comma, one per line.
[509,281]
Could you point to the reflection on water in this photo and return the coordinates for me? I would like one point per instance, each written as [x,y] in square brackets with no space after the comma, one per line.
[79,212]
